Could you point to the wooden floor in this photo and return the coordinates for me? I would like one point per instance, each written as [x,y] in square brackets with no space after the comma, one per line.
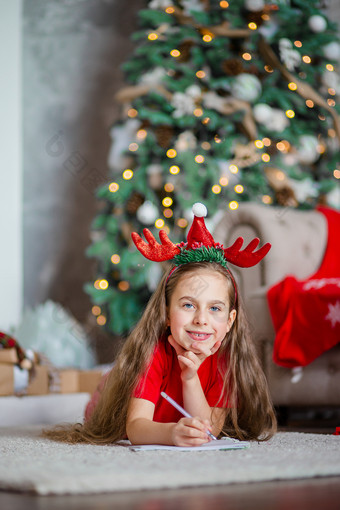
[311,494]
[308,494]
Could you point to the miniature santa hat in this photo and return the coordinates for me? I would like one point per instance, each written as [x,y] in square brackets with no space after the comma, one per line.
[200,246]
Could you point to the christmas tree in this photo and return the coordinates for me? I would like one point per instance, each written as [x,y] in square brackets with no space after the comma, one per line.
[225,102]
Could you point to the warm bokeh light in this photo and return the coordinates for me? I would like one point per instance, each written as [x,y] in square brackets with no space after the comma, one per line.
[169,187]
[115,259]
[266,199]
[159,223]
[239,188]
[167,201]
[168,213]
[329,67]
[175,53]
[224,4]
[265,157]
[259,144]
[171,153]
[292,86]
[233,205]
[207,38]
[298,44]
[96,310]
[141,134]
[169,10]
[132,113]
[309,103]
[268,68]
[336,173]
[252,26]
[103,284]
[233,169]
[123,285]
[198,112]
[224,181]
[133,147]
[152,36]
[216,189]
[200,74]
[290,114]
[174,169]
[199,158]
[113,187]
[266,141]
[182,222]
[206,146]
[127,174]
[101,320]
[306,59]
[246,56]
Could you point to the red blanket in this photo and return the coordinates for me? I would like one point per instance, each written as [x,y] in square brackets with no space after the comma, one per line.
[306,314]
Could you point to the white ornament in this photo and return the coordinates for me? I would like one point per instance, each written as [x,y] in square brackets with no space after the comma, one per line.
[194,91]
[306,188]
[122,135]
[333,198]
[278,121]
[262,113]
[183,105]
[254,5]
[160,4]
[307,149]
[147,213]
[192,5]
[288,55]
[186,141]
[199,210]
[246,87]
[332,51]
[154,77]
[317,23]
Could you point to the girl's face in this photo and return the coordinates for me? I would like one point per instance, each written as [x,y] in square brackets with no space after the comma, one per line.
[199,309]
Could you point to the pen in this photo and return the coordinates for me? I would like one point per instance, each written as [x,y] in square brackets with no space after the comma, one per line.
[183,411]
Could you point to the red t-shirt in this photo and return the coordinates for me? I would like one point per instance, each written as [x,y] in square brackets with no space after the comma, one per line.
[164,374]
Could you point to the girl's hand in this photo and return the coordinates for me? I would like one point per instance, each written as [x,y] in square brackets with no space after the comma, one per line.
[191,432]
[190,361]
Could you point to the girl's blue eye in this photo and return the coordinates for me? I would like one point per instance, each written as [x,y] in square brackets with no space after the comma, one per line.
[187,305]
[216,309]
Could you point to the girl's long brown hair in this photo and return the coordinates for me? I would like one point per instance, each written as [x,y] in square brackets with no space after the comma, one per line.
[250,413]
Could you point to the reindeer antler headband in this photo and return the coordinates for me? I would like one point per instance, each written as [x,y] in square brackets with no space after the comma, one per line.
[200,246]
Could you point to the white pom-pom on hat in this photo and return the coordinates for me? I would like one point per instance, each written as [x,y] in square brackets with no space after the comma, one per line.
[199,210]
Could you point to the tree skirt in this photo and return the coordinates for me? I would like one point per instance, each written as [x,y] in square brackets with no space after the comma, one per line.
[31,463]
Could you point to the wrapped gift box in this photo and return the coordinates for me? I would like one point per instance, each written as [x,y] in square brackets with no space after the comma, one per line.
[39,381]
[69,380]
[79,381]
[9,356]
[6,379]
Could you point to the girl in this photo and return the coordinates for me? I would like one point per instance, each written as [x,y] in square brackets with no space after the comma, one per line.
[193,343]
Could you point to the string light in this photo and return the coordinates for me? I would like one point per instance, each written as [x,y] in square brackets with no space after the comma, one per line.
[292,85]
[171,153]
[175,53]
[239,188]
[217,139]
[115,259]
[336,173]
[200,74]
[206,146]
[309,103]
[113,187]
[103,284]
[141,134]
[331,102]
[306,59]
[216,189]
[133,147]
[298,44]
[198,112]
[132,112]
[233,169]
[329,67]
[233,205]
[174,169]
[207,38]
[266,199]
[159,223]
[224,4]
[252,26]
[199,158]
[290,114]
[246,56]
[123,285]
[280,146]
[96,310]
[153,36]
[168,213]
[182,222]
[266,141]
[206,120]
[224,181]
[259,144]
[101,320]
[269,69]
[127,174]
[167,201]
[331,92]
[331,133]
[265,157]
[169,10]
[169,187]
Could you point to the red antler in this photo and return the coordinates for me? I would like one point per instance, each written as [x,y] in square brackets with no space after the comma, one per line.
[246,257]
[155,251]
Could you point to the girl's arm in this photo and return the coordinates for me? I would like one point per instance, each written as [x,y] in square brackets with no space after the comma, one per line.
[141,429]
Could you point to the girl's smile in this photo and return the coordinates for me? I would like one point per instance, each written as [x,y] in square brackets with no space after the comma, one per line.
[199,309]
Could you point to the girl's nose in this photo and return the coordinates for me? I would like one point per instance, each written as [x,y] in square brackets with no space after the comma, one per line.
[200,317]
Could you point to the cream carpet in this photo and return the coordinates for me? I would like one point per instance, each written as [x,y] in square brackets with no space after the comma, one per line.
[30,463]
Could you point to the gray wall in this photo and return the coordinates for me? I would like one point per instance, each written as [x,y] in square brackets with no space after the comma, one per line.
[72,51]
